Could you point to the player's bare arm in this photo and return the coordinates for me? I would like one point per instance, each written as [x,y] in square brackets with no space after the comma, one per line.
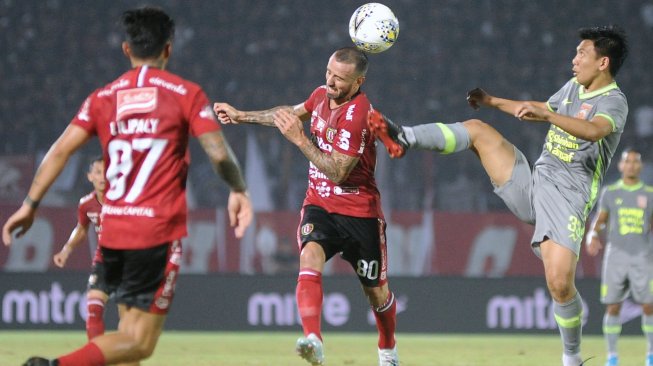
[77,236]
[51,166]
[597,128]
[228,114]
[223,159]
[593,243]
[336,166]
[479,97]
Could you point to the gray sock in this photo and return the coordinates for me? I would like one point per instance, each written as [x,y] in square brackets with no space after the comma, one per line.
[446,139]
[569,317]
[611,332]
[647,328]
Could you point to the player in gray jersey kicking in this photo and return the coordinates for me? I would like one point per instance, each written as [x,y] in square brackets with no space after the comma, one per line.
[587,116]
[625,212]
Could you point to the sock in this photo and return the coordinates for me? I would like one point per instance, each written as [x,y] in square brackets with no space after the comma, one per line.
[611,332]
[446,139]
[647,328]
[89,355]
[569,318]
[95,319]
[309,300]
[386,322]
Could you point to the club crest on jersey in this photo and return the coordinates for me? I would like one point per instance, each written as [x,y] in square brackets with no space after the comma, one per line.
[307,229]
[642,201]
[330,134]
[584,111]
[138,100]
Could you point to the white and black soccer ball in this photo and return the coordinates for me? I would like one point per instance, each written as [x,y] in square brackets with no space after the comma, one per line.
[373,28]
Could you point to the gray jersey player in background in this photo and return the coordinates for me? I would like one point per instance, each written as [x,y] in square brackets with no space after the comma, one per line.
[625,211]
[587,116]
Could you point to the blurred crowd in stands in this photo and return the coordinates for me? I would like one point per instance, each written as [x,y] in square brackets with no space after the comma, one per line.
[262,53]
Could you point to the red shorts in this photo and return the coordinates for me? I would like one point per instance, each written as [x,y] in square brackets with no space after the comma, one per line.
[143,278]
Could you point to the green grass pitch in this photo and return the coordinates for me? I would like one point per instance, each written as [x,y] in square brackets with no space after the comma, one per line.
[341,349]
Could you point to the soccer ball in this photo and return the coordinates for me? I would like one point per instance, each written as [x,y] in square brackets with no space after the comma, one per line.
[373,28]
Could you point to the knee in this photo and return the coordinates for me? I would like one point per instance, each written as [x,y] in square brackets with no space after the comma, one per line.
[144,350]
[475,126]
[312,256]
[377,296]
[561,289]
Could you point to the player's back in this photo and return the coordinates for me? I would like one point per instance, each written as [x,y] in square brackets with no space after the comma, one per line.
[143,121]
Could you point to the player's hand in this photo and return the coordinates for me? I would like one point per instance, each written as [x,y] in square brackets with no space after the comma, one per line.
[21,220]
[226,113]
[593,247]
[290,126]
[477,97]
[240,212]
[61,258]
[527,111]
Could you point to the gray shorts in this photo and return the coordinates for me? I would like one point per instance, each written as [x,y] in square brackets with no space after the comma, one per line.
[556,211]
[623,273]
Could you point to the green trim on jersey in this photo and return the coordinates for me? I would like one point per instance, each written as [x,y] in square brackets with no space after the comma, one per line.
[549,106]
[626,187]
[603,90]
[596,180]
[610,119]
[449,139]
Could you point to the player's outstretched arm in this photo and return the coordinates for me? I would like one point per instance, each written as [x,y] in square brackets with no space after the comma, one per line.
[76,237]
[476,98]
[225,163]
[51,166]
[227,114]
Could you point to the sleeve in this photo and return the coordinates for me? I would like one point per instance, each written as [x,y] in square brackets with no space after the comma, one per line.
[83,118]
[554,101]
[352,130]
[200,115]
[614,108]
[309,104]
[82,217]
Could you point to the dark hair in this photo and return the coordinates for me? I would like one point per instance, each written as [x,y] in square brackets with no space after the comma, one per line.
[148,30]
[95,159]
[353,55]
[629,150]
[608,41]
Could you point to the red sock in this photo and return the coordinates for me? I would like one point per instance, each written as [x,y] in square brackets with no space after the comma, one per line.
[89,355]
[95,319]
[386,322]
[309,300]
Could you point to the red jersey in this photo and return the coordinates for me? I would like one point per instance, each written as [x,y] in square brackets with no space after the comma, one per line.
[343,129]
[88,212]
[143,121]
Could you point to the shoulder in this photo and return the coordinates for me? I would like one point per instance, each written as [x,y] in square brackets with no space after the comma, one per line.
[174,83]
[86,199]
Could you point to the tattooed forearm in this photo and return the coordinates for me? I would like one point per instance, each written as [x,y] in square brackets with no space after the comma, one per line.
[335,166]
[264,118]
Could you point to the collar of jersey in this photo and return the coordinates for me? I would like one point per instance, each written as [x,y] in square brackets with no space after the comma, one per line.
[605,89]
[631,187]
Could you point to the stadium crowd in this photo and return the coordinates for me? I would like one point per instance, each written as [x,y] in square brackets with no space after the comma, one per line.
[257,54]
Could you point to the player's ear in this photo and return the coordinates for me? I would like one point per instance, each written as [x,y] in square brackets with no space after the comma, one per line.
[167,50]
[605,63]
[360,80]
[126,49]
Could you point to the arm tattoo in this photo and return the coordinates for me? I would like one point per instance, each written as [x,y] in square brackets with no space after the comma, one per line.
[223,160]
[335,166]
[262,117]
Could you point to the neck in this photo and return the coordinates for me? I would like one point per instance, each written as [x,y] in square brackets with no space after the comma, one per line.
[599,82]
[158,63]
[630,181]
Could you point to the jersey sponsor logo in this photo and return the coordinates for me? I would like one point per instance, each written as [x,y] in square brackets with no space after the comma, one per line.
[566,101]
[323,189]
[177,88]
[323,145]
[343,139]
[122,83]
[345,190]
[350,113]
[584,111]
[307,229]
[132,101]
[363,135]
[127,211]
[320,124]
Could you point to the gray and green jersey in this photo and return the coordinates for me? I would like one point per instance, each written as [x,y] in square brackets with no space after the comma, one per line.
[630,209]
[628,259]
[571,162]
